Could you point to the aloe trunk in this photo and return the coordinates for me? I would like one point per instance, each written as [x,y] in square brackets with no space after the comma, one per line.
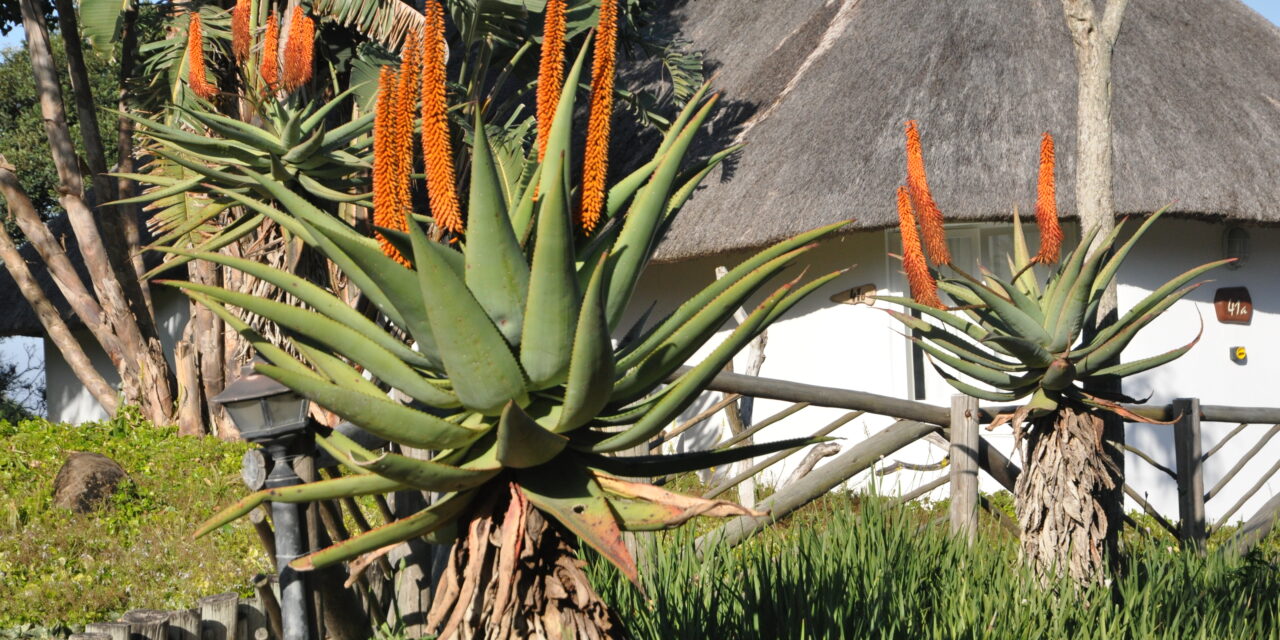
[1060,495]
[513,573]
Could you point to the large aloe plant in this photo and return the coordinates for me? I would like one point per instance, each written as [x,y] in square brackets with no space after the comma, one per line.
[512,376]
[1004,340]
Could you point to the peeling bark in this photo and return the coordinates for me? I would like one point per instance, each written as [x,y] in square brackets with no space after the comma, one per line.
[516,575]
[1060,496]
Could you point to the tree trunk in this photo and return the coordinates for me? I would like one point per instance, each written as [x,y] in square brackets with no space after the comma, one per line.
[1094,39]
[144,372]
[516,574]
[1060,496]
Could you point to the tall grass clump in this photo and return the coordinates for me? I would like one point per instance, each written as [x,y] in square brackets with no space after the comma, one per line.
[881,572]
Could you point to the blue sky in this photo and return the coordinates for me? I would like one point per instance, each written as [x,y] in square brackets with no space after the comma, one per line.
[1268,8]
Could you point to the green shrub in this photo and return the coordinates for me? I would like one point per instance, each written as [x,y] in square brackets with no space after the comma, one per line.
[134,552]
[882,572]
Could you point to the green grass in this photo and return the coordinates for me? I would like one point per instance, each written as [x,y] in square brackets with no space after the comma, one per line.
[58,567]
[856,568]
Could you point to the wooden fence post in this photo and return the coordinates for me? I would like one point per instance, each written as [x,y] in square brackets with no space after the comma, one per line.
[964,466]
[1190,469]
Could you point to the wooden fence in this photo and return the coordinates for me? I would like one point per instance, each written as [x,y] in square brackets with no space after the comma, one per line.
[225,616]
[970,453]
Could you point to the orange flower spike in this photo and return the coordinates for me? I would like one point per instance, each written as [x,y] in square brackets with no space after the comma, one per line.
[1047,206]
[437,148]
[595,167]
[935,238]
[550,70]
[401,124]
[923,288]
[386,175]
[240,39]
[298,51]
[270,69]
[195,60]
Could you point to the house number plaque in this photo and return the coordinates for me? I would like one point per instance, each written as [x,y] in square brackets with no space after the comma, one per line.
[1233,305]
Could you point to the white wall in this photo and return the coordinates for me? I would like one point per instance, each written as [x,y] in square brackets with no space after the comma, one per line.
[859,347]
[67,399]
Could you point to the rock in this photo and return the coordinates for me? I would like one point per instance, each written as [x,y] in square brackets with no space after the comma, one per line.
[85,479]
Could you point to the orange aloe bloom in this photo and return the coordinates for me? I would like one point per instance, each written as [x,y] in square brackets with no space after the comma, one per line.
[195,60]
[437,149]
[240,29]
[298,50]
[923,288]
[595,166]
[387,175]
[1047,206]
[550,70]
[935,239]
[270,70]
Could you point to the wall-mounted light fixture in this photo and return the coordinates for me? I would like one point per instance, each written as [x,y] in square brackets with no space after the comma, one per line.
[1235,244]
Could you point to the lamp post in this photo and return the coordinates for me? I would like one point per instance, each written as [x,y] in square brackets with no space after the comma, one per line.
[272,415]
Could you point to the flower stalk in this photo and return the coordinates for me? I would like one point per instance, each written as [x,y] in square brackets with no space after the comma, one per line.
[1047,206]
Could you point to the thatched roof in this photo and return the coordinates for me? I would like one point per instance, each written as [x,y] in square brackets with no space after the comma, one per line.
[820,89]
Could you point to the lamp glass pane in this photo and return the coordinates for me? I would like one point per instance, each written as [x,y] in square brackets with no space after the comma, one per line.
[286,408]
[247,414]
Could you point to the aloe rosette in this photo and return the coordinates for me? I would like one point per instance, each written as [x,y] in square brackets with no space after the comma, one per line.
[512,375]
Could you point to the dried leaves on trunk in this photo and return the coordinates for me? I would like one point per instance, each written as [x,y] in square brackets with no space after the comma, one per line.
[1059,492]
[515,575]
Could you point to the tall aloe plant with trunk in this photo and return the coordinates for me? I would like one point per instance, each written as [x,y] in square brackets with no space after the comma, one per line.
[509,373]
[1016,338]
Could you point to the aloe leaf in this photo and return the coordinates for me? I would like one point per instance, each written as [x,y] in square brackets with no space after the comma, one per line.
[686,389]
[954,343]
[634,245]
[317,117]
[522,212]
[1021,261]
[661,465]
[429,475]
[1020,322]
[979,392]
[1028,352]
[573,497]
[316,188]
[981,373]
[317,298]
[1108,272]
[332,367]
[1021,300]
[522,442]
[496,271]
[946,317]
[377,415]
[1145,364]
[484,372]
[961,292]
[443,512]
[699,301]
[591,371]
[345,133]
[552,304]
[1161,299]
[346,486]
[273,354]
[650,365]
[1066,320]
[178,188]
[305,149]
[1067,275]
[339,337]
[239,131]
[690,184]
[1107,345]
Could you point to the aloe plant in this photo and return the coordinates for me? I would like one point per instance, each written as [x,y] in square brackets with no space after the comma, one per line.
[511,377]
[1005,340]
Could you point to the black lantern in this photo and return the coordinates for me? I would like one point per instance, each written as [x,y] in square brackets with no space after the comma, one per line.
[273,415]
[262,408]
